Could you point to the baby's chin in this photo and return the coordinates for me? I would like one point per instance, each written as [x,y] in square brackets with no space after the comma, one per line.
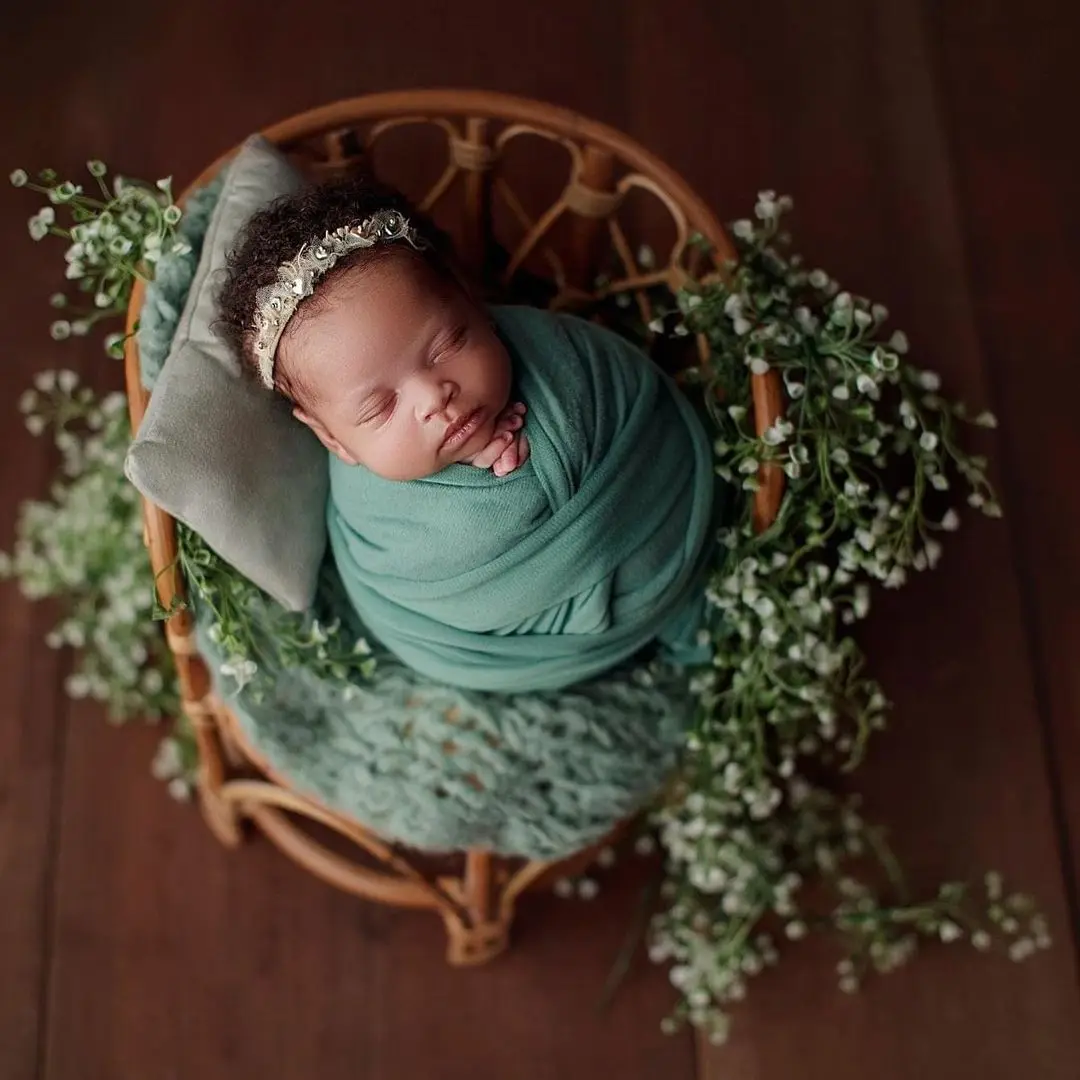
[405,476]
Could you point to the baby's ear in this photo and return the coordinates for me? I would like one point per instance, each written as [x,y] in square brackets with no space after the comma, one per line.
[324,436]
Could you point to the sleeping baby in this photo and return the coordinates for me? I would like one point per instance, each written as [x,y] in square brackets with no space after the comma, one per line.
[519,500]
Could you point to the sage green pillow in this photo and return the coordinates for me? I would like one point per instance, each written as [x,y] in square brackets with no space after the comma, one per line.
[216,450]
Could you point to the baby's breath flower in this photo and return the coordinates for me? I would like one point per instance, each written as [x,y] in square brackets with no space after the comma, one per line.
[180,789]
[240,669]
[766,208]
[645,844]
[18,178]
[77,686]
[587,889]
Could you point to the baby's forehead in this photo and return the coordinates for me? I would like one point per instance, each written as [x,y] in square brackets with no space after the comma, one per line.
[398,277]
[375,315]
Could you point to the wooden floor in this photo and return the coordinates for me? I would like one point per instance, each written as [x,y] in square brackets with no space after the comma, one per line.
[927,148]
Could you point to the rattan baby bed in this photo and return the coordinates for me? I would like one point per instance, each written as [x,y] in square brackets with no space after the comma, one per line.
[577,234]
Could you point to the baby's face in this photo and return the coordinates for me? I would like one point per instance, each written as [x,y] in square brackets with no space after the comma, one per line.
[402,372]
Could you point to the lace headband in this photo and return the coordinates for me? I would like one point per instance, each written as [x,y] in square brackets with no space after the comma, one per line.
[276,304]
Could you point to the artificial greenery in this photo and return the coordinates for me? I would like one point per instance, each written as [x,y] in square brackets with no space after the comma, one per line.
[760,843]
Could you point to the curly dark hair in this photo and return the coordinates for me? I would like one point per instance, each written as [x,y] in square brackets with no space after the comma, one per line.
[276,233]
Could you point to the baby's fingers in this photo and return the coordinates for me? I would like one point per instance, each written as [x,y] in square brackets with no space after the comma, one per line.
[515,455]
[509,422]
[493,451]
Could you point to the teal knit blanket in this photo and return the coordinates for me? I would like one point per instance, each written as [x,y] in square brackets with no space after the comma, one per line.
[538,774]
[568,566]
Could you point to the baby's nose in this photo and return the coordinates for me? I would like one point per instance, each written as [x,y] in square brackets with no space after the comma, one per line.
[439,397]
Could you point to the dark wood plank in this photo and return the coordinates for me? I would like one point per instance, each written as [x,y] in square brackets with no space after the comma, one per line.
[834,104]
[31,740]
[31,707]
[1003,76]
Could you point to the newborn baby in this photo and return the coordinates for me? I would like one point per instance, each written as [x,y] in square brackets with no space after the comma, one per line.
[480,555]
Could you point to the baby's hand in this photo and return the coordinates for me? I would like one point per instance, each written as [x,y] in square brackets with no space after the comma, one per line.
[507,451]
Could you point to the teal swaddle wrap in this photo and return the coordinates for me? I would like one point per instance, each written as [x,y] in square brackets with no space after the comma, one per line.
[564,568]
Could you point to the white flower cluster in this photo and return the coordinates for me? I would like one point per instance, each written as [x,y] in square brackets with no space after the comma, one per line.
[785,698]
[116,235]
[85,547]
[176,763]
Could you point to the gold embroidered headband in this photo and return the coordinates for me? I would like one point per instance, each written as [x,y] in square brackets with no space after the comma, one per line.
[276,304]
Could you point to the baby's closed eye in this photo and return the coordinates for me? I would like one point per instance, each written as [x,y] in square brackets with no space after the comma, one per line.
[379,409]
[447,345]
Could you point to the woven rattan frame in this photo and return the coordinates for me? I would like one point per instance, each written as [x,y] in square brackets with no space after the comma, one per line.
[235,785]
